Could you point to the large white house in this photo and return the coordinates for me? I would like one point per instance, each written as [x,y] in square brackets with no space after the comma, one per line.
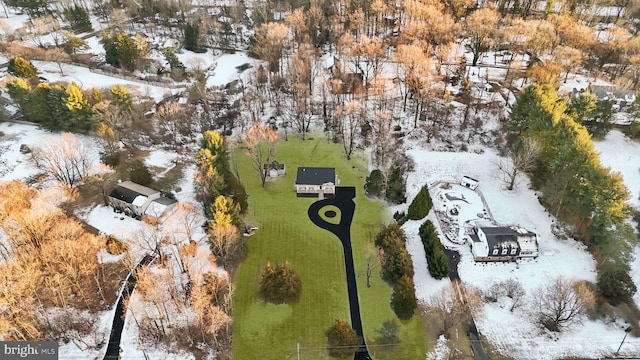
[502,243]
[316,182]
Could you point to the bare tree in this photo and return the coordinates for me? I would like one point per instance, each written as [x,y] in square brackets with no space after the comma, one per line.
[259,141]
[66,158]
[458,303]
[521,158]
[349,119]
[562,302]
[226,243]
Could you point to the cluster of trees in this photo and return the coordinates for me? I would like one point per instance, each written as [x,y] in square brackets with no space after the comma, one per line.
[223,197]
[66,107]
[124,51]
[50,261]
[437,260]
[574,186]
[397,269]
[393,190]
[280,284]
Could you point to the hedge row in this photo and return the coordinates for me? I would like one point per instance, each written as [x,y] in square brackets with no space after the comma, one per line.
[437,260]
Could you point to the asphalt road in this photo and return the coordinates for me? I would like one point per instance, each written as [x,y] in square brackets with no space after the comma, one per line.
[344,202]
[472,331]
[113,349]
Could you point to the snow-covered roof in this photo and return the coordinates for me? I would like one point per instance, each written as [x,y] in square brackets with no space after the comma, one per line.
[139,200]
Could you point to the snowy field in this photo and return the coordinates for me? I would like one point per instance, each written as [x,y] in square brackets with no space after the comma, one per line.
[516,334]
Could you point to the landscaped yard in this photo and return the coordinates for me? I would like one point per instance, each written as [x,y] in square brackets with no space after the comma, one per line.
[285,232]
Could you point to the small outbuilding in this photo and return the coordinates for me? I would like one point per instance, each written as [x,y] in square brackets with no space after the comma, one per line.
[471,183]
[275,169]
[316,182]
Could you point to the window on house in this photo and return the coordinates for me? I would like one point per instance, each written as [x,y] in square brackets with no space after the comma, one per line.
[504,251]
[495,251]
[513,251]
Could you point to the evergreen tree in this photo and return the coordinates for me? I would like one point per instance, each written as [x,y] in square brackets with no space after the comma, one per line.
[396,186]
[403,298]
[389,334]
[121,96]
[72,44]
[122,51]
[615,283]
[397,263]
[390,236]
[280,284]
[192,40]
[21,68]
[139,173]
[172,59]
[374,184]
[20,91]
[78,117]
[78,19]
[342,339]
[595,115]
[421,205]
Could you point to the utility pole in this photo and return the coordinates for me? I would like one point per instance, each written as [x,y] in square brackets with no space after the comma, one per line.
[298,347]
[626,332]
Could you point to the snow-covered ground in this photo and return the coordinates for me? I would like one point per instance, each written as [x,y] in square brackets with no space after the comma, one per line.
[517,334]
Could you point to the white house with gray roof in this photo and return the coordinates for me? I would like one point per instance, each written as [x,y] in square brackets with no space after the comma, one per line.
[316,182]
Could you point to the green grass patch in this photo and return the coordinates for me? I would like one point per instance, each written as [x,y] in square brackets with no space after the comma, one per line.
[285,233]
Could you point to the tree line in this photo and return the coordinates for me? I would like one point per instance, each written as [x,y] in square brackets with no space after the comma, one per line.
[575,187]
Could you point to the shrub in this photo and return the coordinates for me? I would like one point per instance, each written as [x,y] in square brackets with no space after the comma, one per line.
[342,340]
[115,246]
[403,298]
[389,333]
[374,184]
[280,284]
[421,205]
[21,68]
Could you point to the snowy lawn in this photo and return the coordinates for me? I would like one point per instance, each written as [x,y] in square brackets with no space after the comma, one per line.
[286,233]
[515,334]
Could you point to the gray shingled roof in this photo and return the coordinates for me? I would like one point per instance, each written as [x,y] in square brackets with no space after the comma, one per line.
[315,175]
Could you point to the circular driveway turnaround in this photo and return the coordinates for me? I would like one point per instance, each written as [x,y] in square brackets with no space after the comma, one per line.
[344,201]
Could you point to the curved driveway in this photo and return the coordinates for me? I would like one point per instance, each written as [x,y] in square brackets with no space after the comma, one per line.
[344,201]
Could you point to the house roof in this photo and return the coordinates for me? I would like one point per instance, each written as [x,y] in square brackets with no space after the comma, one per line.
[502,234]
[274,165]
[159,206]
[315,175]
[128,191]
